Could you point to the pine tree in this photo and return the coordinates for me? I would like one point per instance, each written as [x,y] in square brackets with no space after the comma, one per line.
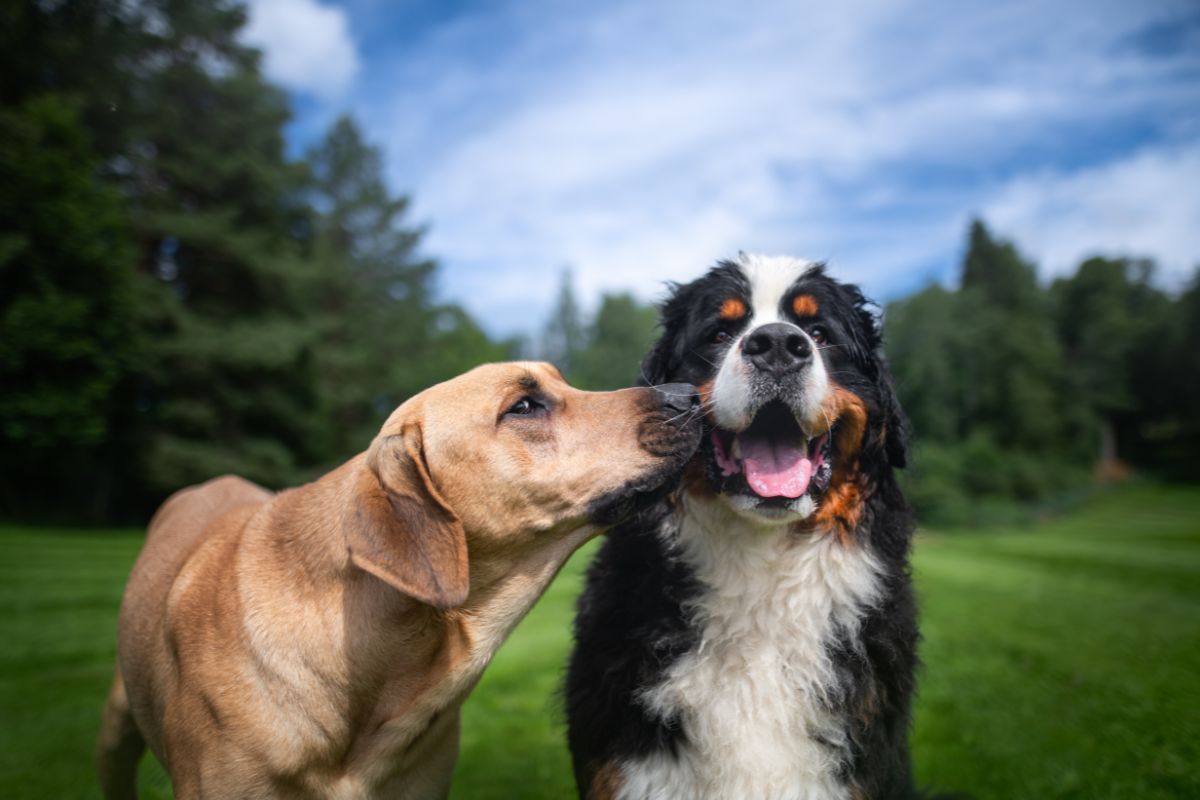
[563,338]
[67,337]
[1106,315]
[382,335]
[1012,363]
[218,211]
[926,349]
[263,334]
[617,339]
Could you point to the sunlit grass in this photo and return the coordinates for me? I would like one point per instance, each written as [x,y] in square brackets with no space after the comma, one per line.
[1062,661]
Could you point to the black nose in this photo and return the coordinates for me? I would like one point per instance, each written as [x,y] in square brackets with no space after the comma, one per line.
[678,398]
[777,348]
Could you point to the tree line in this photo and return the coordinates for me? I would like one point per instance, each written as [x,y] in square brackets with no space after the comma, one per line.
[180,298]
[1020,390]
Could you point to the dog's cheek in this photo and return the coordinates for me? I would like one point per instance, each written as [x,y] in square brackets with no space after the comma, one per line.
[731,395]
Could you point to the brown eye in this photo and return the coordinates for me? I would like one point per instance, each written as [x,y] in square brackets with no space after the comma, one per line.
[525,407]
[819,334]
[723,337]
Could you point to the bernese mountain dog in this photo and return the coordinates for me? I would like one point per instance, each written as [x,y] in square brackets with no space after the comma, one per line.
[757,641]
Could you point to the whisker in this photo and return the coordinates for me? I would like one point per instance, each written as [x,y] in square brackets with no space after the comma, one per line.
[695,411]
[828,422]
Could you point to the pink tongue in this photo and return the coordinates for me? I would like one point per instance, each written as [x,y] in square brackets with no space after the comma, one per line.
[775,469]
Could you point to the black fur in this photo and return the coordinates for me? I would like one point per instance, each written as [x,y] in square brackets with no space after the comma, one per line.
[631,625]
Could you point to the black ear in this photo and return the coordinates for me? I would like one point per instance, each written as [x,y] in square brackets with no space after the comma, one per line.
[663,359]
[868,339]
[897,432]
[656,366]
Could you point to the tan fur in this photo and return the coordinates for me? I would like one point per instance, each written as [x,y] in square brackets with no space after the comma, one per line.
[606,782]
[840,509]
[805,305]
[319,642]
[733,309]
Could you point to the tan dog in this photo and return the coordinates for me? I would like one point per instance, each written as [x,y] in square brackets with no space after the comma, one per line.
[319,642]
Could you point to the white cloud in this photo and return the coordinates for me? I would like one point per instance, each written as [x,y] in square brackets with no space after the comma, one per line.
[639,142]
[307,46]
[1147,204]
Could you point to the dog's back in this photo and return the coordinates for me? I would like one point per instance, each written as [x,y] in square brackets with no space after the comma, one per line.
[181,524]
[184,522]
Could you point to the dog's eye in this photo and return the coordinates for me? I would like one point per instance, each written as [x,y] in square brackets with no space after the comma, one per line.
[722,337]
[524,407]
[818,334]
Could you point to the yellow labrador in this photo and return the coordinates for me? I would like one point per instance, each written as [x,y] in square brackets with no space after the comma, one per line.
[319,642]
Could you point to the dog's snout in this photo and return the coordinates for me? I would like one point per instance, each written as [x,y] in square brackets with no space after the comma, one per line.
[678,398]
[669,427]
[777,348]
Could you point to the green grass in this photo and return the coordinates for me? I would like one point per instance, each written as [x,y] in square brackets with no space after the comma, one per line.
[1062,661]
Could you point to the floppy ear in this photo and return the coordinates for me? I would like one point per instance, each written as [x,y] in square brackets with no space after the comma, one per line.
[661,362]
[405,534]
[898,430]
[868,339]
[656,364]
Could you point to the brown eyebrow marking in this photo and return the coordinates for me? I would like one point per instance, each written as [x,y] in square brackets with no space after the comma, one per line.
[732,309]
[528,383]
[805,305]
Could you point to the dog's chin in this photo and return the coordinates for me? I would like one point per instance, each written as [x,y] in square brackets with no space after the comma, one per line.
[643,499]
[772,511]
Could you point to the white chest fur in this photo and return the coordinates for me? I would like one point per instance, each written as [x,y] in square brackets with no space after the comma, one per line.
[752,694]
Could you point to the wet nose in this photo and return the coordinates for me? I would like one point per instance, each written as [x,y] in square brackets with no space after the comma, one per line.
[678,398]
[777,348]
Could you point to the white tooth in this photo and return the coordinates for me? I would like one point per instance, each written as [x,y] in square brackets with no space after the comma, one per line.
[736,450]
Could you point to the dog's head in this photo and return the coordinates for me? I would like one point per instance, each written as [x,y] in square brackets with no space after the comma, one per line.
[508,457]
[800,410]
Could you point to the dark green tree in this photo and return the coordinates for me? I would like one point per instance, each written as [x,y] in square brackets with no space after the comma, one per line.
[381,336]
[1011,367]
[1107,315]
[67,336]
[1167,385]
[181,122]
[926,348]
[219,214]
[371,290]
[617,339]
[241,315]
[563,338]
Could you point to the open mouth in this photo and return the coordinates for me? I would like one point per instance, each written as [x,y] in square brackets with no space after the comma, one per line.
[773,457]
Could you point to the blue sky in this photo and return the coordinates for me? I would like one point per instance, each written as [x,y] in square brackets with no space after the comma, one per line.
[637,142]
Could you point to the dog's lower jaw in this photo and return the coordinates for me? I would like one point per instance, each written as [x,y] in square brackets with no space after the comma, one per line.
[750,509]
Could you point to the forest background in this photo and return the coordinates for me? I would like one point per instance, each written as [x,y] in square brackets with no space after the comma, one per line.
[180,298]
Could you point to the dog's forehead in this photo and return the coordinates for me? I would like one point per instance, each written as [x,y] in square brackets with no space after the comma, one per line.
[476,392]
[758,286]
[489,384]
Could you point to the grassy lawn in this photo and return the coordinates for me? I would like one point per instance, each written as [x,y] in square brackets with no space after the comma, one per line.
[1062,661]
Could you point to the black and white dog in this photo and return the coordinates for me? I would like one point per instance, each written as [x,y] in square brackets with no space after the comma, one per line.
[760,643]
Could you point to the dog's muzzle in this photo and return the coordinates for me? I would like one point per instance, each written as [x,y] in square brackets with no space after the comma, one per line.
[670,430]
[665,430]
